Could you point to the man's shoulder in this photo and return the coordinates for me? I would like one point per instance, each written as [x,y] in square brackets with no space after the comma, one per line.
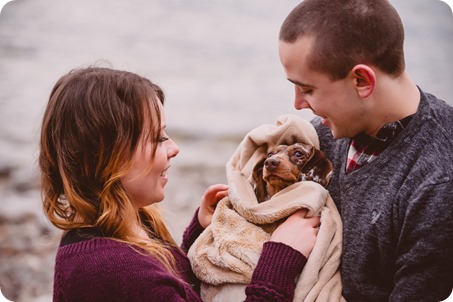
[429,140]
[439,112]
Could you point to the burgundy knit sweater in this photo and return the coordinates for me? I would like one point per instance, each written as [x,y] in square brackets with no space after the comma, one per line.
[101,269]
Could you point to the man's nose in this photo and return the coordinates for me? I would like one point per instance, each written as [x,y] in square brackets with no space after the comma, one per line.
[300,102]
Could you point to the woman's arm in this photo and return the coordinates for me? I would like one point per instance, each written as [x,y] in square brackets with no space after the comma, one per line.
[283,259]
[274,278]
[203,215]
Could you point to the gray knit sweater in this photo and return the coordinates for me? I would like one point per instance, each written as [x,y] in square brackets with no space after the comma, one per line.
[398,211]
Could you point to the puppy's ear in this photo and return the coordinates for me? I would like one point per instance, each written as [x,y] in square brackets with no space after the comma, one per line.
[260,184]
[318,168]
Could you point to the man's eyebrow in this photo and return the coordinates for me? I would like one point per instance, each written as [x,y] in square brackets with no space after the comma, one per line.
[299,83]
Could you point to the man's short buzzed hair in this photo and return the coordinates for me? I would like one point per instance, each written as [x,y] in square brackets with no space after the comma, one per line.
[347,33]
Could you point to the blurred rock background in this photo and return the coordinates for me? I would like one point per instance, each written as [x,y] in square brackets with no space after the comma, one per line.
[217,62]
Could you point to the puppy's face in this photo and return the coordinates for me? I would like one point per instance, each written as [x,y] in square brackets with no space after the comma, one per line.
[286,165]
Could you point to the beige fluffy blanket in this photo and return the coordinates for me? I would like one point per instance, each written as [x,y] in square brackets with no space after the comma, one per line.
[226,253]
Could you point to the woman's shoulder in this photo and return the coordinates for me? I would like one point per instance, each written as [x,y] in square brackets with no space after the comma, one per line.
[90,245]
[107,258]
[86,247]
[102,249]
[108,268]
[86,241]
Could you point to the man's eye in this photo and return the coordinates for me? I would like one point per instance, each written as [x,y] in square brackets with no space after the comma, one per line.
[305,91]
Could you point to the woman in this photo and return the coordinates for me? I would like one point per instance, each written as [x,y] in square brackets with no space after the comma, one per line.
[104,157]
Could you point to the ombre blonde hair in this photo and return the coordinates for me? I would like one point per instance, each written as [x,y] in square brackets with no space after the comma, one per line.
[93,124]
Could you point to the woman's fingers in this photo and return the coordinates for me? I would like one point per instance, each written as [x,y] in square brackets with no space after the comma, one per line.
[298,232]
[215,193]
[209,201]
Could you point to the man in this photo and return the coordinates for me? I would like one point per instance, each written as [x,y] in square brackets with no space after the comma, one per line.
[391,144]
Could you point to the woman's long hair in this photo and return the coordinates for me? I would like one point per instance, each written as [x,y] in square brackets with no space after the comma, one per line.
[93,124]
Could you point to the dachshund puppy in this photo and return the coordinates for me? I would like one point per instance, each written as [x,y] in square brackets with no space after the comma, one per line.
[286,165]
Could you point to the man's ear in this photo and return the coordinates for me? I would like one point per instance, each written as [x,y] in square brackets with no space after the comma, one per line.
[365,80]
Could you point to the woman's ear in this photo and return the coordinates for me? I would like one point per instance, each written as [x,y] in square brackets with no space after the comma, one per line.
[365,80]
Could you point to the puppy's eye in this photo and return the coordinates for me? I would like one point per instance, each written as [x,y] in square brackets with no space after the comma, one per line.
[298,154]
[270,154]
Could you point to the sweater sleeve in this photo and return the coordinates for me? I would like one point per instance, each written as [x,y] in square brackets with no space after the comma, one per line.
[191,233]
[274,278]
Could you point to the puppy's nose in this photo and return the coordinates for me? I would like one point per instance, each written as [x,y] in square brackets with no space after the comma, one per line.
[271,164]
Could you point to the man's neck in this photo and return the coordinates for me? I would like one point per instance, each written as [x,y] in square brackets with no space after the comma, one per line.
[394,99]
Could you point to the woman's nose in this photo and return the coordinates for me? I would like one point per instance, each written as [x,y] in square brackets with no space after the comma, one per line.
[173,149]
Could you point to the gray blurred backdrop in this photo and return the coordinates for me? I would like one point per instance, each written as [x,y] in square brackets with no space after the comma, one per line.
[218,64]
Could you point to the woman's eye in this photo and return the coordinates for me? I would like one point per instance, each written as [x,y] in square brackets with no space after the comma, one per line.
[163,139]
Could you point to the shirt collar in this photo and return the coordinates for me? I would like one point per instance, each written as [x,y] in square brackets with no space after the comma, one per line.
[385,135]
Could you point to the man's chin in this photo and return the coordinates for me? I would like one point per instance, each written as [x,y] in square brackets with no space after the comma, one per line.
[337,134]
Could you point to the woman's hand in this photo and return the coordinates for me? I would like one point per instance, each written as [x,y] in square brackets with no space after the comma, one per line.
[209,201]
[298,232]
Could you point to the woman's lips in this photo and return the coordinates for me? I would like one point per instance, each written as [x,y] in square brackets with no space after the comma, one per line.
[164,175]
